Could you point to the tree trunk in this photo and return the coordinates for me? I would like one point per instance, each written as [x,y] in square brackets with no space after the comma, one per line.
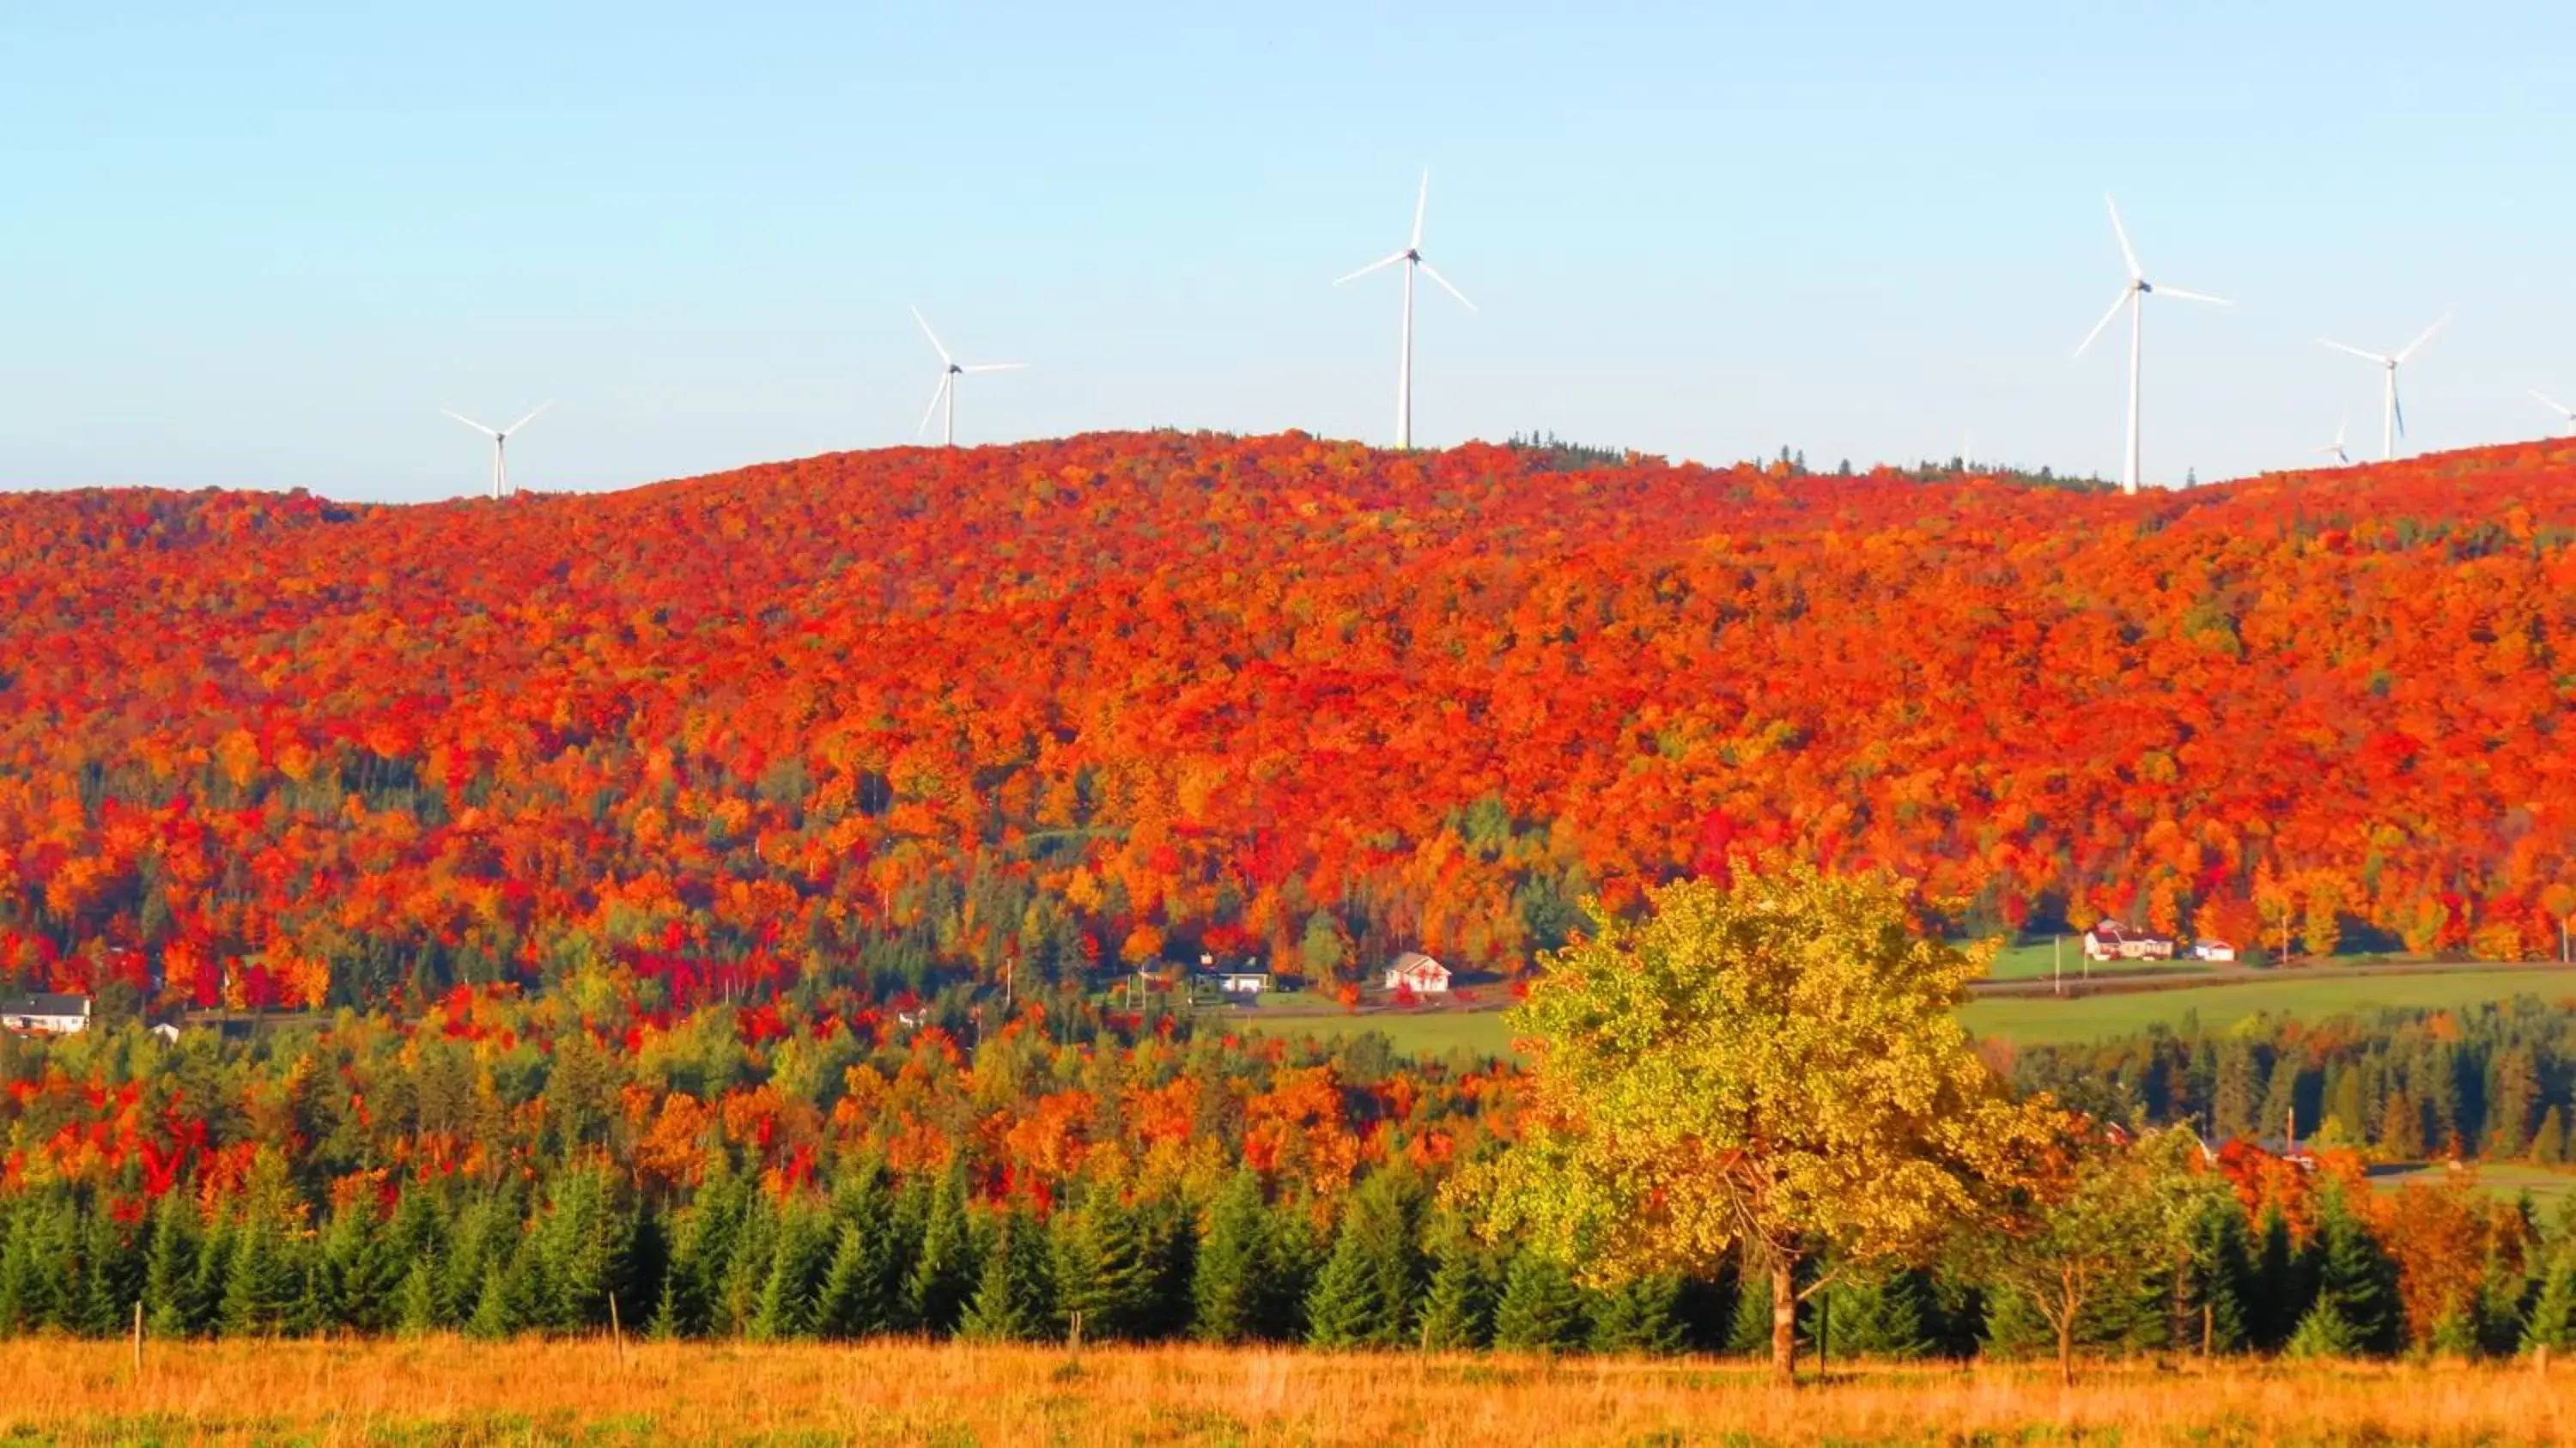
[1784,1318]
[2066,1349]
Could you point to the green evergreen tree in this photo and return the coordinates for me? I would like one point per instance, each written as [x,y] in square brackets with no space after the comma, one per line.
[1371,1286]
[416,1230]
[172,1309]
[1235,1280]
[262,1283]
[1103,1269]
[2496,1313]
[1888,1316]
[1168,1246]
[2551,1325]
[945,1271]
[362,1272]
[513,1299]
[2281,1096]
[1458,1309]
[492,1319]
[416,1311]
[2281,1289]
[1015,1300]
[743,1274]
[581,1239]
[2455,1335]
[862,1288]
[1343,1309]
[321,1302]
[2217,1281]
[1540,1309]
[30,1257]
[798,1262]
[667,1321]
[2015,1329]
[1298,1247]
[2549,1139]
[2512,1094]
[2324,1333]
[2356,1280]
[1642,1317]
[112,1268]
[486,1234]
[215,1254]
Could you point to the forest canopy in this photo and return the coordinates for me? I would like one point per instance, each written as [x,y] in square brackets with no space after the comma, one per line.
[910,717]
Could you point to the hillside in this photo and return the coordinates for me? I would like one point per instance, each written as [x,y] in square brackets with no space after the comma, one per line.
[903,716]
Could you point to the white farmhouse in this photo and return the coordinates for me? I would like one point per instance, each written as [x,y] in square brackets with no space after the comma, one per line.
[46,1013]
[1418,973]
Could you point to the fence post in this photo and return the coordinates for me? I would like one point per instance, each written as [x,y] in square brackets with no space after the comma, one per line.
[138,1337]
[616,1330]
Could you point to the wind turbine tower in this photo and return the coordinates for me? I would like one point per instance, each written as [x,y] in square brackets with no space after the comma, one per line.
[500,445]
[2392,420]
[950,369]
[1413,261]
[2134,297]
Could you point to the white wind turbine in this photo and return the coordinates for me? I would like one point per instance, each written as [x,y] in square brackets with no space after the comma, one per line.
[949,371]
[1411,256]
[2335,449]
[2134,297]
[2392,422]
[2557,407]
[500,444]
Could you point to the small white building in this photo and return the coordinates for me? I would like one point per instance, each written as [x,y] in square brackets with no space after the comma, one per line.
[1243,982]
[2212,950]
[2111,940]
[1418,973]
[46,1013]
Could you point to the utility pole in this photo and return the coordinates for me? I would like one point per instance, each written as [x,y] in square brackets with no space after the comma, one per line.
[2057,961]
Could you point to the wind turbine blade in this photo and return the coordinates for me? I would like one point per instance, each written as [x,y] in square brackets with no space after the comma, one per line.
[1444,285]
[469,422]
[2122,232]
[2122,301]
[2425,337]
[1372,266]
[513,428]
[933,410]
[2397,401]
[933,336]
[995,367]
[2356,351]
[1421,203]
[2165,291]
[2552,404]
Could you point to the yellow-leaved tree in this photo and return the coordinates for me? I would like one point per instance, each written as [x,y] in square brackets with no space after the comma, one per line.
[1774,1065]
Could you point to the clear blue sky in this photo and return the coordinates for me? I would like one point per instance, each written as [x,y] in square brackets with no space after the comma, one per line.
[260,245]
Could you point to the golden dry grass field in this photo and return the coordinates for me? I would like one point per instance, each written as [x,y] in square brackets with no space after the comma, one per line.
[450,1391]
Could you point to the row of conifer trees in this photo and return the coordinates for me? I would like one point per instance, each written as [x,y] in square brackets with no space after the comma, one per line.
[876,1257]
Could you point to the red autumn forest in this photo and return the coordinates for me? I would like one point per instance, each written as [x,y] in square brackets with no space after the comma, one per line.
[907,714]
